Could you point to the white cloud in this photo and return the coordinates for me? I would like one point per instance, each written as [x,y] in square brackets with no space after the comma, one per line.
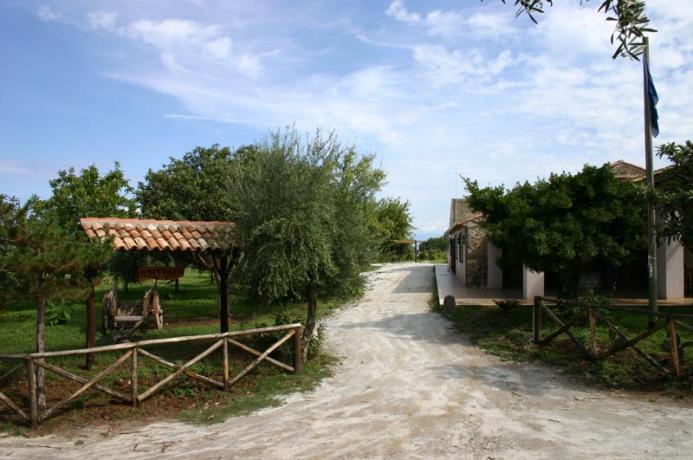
[181,42]
[444,97]
[445,23]
[12,168]
[398,11]
[102,20]
[488,24]
[163,34]
[443,66]
[571,30]
[46,14]
[219,48]
[453,24]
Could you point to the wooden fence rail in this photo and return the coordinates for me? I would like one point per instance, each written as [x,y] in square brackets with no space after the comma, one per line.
[670,321]
[132,352]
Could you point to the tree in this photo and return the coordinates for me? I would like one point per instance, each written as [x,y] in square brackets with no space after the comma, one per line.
[195,187]
[355,246]
[304,211]
[566,223]
[189,188]
[434,248]
[631,24]
[393,224]
[286,218]
[45,261]
[88,194]
[675,192]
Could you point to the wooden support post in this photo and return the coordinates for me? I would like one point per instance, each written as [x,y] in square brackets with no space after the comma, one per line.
[91,325]
[537,319]
[134,390]
[674,345]
[593,330]
[223,296]
[297,349]
[33,397]
[226,362]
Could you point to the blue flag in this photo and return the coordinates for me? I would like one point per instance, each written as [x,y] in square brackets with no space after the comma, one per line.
[653,99]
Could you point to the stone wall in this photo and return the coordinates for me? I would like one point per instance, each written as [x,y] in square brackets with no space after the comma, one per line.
[477,258]
[459,211]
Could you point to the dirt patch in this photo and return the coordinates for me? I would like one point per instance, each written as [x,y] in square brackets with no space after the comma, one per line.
[410,386]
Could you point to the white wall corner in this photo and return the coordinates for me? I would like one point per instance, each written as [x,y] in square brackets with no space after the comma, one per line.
[494,274]
[532,283]
[670,269]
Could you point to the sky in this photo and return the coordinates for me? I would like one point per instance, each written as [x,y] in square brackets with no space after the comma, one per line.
[438,90]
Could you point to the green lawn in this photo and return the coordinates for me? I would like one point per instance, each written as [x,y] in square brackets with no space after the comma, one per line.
[190,311]
[508,334]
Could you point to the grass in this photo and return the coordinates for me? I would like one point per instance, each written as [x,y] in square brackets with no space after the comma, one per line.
[192,310]
[507,333]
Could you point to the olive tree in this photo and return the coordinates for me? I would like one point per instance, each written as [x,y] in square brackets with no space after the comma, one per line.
[304,209]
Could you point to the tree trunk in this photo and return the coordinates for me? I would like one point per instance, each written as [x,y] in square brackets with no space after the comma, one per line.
[311,319]
[223,297]
[175,289]
[91,325]
[41,347]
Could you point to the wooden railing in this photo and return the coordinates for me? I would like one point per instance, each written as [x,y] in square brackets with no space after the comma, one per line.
[132,352]
[670,321]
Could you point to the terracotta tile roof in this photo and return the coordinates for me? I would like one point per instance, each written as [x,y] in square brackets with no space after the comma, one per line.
[160,235]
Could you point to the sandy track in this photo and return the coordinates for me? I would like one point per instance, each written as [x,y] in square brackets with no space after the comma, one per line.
[410,387]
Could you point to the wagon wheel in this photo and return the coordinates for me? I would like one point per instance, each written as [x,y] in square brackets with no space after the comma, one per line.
[158,318]
[155,309]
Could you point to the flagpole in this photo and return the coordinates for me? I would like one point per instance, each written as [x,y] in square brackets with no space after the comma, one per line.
[651,217]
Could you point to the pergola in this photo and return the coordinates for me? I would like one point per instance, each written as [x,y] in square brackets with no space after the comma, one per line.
[213,244]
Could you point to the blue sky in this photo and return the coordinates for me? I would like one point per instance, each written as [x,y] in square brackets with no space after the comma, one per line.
[435,89]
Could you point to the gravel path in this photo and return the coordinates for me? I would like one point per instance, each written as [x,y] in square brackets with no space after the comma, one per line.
[409,387]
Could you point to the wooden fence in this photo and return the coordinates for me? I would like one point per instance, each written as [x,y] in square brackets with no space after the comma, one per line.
[132,352]
[670,321]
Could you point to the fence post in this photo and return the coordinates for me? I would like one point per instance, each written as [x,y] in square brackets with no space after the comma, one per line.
[537,319]
[134,390]
[674,345]
[297,349]
[226,362]
[33,398]
[593,330]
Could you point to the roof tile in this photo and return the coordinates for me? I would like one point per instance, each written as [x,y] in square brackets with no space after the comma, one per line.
[159,235]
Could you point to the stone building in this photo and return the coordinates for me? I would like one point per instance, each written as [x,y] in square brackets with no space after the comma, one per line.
[472,257]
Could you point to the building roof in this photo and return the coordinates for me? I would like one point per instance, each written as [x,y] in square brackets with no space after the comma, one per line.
[458,226]
[160,235]
[628,171]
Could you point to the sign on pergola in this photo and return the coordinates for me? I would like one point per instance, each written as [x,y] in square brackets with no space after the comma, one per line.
[213,244]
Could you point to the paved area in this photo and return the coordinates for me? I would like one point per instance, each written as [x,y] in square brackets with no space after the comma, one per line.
[409,387]
[449,284]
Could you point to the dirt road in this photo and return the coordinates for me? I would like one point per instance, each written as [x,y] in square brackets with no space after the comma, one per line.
[409,387]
